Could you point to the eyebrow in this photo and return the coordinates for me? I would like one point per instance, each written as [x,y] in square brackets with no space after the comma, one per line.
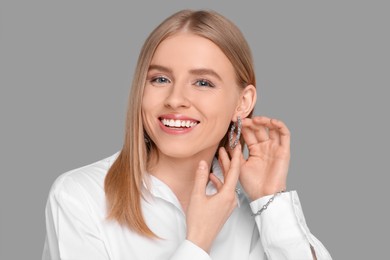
[199,72]
[160,68]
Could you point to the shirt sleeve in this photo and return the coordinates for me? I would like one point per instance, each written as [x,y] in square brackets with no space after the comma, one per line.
[189,251]
[283,230]
[71,233]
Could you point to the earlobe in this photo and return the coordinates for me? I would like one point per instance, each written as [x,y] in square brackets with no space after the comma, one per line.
[247,101]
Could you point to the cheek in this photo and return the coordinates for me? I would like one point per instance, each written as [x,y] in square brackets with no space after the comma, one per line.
[219,114]
[147,105]
[220,106]
[149,101]
[145,98]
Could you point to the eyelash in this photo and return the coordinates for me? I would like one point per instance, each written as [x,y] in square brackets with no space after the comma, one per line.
[210,84]
[155,80]
[197,82]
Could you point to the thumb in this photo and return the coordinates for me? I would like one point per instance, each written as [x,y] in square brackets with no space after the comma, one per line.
[201,178]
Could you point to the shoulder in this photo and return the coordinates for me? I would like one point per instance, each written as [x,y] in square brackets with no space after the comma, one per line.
[83,181]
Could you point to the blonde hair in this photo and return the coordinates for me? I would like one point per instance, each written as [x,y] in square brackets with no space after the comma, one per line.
[123,183]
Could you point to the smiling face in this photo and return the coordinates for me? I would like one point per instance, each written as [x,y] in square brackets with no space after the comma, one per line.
[190,97]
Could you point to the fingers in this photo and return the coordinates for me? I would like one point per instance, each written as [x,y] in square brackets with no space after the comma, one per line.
[230,168]
[249,135]
[201,178]
[274,131]
[224,161]
[282,131]
[255,131]
[217,182]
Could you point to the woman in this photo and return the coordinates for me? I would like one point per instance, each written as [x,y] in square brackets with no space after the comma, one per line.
[180,188]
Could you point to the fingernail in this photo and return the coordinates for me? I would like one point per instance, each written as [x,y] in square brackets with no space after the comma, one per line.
[202,165]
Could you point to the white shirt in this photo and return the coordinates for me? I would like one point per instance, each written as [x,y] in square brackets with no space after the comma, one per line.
[77,227]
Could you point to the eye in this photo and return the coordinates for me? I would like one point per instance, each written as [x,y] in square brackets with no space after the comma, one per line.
[160,80]
[204,83]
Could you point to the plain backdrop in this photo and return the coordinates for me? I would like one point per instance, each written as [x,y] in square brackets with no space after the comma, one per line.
[322,67]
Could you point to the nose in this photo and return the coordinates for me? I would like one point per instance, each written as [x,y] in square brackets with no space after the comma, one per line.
[177,97]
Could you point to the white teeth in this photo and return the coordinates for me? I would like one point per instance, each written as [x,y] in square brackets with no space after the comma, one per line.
[178,123]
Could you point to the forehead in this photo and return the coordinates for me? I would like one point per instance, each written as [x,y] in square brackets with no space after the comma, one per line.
[187,51]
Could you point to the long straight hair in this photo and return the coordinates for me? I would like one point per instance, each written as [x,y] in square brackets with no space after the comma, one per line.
[124,180]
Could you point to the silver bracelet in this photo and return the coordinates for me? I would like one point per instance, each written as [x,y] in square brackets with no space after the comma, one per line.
[258,213]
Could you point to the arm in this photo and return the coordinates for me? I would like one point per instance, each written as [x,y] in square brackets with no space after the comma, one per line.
[283,230]
[206,215]
[70,231]
[189,251]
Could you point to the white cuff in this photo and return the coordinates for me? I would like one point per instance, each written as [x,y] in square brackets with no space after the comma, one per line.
[282,220]
[283,229]
[189,251]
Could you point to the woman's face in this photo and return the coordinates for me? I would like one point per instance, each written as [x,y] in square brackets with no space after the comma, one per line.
[190,96]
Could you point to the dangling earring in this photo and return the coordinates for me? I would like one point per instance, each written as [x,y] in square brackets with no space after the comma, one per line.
[234,143]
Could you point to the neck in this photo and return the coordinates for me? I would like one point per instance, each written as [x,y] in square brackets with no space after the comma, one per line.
[179,173]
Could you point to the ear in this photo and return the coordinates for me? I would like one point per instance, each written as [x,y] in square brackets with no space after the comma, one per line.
[246,102]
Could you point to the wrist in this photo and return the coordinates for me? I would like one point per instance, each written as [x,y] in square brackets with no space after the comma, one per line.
[264,206]
[200,242]
[266,192]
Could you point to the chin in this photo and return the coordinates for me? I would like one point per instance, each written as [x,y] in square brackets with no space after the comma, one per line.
[175,152]
[181,151]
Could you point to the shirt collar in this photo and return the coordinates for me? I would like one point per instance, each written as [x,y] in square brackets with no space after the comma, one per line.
[157,188]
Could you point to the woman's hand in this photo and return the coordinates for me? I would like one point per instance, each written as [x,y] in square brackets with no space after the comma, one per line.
[206,215]
[265,170]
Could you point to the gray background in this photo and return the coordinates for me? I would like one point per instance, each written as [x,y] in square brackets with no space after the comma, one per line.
[322,67]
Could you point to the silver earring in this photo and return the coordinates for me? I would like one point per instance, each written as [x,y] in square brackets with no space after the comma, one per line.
[234,143]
